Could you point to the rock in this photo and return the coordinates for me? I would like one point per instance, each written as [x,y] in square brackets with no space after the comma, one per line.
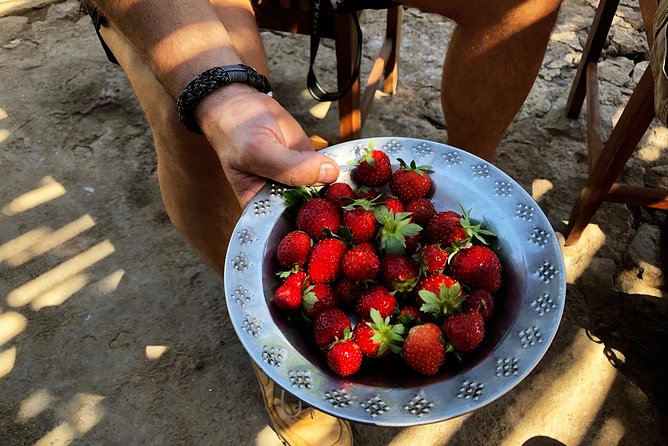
[68,10]
[643,257]
[617,71]
[638,71]
[10,27]
[657,176]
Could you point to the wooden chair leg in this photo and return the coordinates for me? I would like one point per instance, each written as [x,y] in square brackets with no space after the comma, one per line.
[634,121]
[393,34]
[592,51]
[350,116]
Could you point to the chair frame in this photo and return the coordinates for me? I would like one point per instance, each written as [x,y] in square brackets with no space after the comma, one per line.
[353,106]
[606,161]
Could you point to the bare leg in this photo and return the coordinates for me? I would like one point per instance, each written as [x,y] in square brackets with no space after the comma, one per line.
[202,205]
[490,66]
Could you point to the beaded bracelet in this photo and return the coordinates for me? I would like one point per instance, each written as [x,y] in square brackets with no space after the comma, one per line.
[210,80]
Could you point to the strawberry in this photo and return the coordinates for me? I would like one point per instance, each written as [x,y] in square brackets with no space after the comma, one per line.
[450,227]
[287,298]
[477,267]
[393,204]
[481,301]
[317,215]
[361,263]
[328,325]
[339,194]
[347,290]
[296,277]
[412,243]
[377,297]
[431,259]
[373,168]
[394,228]
[399,273]
[294,248]
[359,218]
[424,349]
[445,229]
[318,297]
[409,316]
[378,338]
[324,264]
[465,330]
[410,181]
[422,210]
[440,295]
[344,357]
[368,193]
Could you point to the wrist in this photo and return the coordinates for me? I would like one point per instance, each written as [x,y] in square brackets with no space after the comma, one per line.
[212,81]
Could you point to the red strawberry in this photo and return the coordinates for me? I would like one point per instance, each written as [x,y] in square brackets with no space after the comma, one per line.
[450,227]
[361,263]
[368,193]
[339,194]
[373,169]
[445,229]
[287,298]
[377,297]
[393,204]
[318,297]
[439,295]
[399,273]
[378,338]
[347,290]
[424,349]
[295,277]
[359,218]
[324,264]
[465,330]
[294,249]
[477,267]
[316,215]
[481,301]
[410,181]
[413,243]
[431,259]
[328,325]
[422,210]
[344,358]
[409,316]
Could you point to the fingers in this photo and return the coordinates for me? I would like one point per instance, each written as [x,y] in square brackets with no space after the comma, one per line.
[292,167]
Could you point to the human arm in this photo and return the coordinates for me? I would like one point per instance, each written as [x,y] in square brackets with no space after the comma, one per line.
[254,137]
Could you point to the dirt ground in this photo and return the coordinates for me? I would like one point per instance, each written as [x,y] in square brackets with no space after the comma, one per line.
[114,332]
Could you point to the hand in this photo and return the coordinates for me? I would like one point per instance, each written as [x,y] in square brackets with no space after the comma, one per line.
[256,139]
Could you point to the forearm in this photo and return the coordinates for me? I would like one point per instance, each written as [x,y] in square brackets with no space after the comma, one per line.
[178,39]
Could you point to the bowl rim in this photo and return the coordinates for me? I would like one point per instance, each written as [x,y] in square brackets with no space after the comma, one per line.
[514,356]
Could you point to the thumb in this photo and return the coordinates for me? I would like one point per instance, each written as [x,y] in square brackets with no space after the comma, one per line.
[292,167]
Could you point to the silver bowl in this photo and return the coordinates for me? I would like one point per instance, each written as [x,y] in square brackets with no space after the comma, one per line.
[386,393]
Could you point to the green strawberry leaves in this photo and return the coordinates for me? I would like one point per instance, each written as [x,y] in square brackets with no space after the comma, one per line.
[473,231]
[448,300]
[420,170]
[394,229]
[386,334]
[295,197]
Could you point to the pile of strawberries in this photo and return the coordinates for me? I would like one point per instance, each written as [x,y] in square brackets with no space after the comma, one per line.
[419,281]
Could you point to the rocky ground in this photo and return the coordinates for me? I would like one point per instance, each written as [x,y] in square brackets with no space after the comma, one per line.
[112,331]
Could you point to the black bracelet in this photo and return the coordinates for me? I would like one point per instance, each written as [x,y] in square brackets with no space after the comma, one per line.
[210,80]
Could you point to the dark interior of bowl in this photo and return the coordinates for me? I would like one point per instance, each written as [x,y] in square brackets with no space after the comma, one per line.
[391,371]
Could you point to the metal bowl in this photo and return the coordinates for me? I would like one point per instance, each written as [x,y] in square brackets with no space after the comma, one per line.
[528,308]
